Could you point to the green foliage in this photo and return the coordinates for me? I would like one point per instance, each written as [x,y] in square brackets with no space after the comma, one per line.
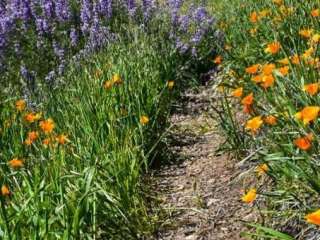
[90,186]
[291,188]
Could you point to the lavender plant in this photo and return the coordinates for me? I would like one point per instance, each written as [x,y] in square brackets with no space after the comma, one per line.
[42,36]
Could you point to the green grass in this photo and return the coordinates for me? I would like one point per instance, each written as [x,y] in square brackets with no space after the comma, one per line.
[91,186]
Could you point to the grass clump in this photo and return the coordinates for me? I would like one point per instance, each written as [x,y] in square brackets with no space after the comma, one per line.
[82,151]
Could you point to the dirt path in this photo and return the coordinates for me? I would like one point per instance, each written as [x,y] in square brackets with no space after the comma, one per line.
[199,194]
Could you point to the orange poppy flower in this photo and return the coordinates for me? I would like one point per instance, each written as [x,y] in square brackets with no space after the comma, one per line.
[284,61]
[254,17]
[253,31]
[284,70]
[264,13]
[295,59]
[46,141]
[308,53]
[262,169]
[21,105]
[311,88]
[314,217]
[170,84]
[306,33]
[250,196]
[270,120]
[5,190]
[31,117]
[218,60]
[278,2]
[257,78]
[33,135]
[16,163]
[315,12]
[267,69]
[107,85]
[116,79]
[304,143]
[62,139]
[268,81]
[273,48]
[254,124]
[315,38]
[47,126]
[237,92]
[247,100]
[308,114]
[144,120]
[253,69]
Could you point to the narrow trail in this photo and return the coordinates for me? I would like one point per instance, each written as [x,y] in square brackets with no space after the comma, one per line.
[198,192]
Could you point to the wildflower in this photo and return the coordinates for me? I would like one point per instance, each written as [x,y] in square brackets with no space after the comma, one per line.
[237,92]
[218,60]
[254,124]
[170,84]
[284,70]
[116,79]
[107,85]
[315,12]
[264,13]
[278,2]
[16,163]
[267,69]
[315,38]
[247,100]
[32,136]
[268,81]
[306,33]
[313,217]
[311,88]
[270,120]
[250,196]
[5,190]
[253,69]
[31,117]
[262,169]
[62,139]
[257,78]
[144,120]
[304,143]
[308,114]
[284,61]
[295,59]
[313,61]
[21,105]
[308,53]
[253,31]
[46,141]
[47,126]
[273,48]
[254,17]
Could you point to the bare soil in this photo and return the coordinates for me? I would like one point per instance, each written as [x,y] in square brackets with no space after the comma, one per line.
[199,190]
